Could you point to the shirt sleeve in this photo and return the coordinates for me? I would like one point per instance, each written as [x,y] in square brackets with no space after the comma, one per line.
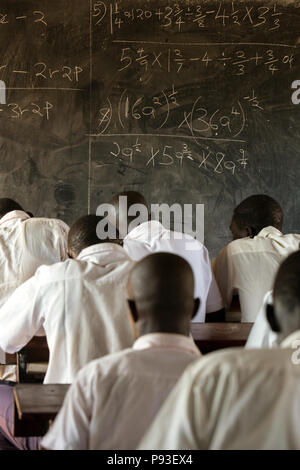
[20,317]
[71,427]
[214,301]
[261,335]
[62,239]
[224,275]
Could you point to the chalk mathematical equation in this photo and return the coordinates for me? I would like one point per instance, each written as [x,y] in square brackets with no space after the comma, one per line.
[178,59]
[42,71]
[200,14]
[33,17]
[17,111]
[197,120]
[179,154]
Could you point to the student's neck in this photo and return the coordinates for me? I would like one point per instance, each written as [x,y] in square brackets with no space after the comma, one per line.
[147,328]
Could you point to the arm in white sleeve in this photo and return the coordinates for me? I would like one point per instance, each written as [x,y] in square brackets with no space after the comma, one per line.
[71,427]
[261,335]
[63,240]
[224,274]
[214,301]
[20,317]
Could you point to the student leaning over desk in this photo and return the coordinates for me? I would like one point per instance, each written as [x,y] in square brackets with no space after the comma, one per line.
[26,242]
[81,305]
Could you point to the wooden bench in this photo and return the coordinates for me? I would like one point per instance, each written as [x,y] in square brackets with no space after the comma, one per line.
[35,407]
[212,336]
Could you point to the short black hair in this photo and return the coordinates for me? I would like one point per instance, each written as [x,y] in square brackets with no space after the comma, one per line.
[259,211]
[133,198]
[83,233]
[287,282]
[7,205]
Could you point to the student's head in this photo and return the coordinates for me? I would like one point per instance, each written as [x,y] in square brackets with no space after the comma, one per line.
[255,213]
[129,209]
[161,293]
[284,314]
[7,205]
[84,233]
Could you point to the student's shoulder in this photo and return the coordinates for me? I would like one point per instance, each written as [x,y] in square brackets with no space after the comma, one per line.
[106,366]
[187,243]
[235,364]
[47,224]
[57,271]
[293,239]
[236,247]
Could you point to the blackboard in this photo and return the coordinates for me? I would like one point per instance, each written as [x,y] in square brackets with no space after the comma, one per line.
[189,102]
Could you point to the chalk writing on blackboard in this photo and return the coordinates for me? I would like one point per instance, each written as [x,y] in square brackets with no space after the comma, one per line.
[197,121]
[35,16]
[176,59]
[42,71]
[17,111]
[233,14]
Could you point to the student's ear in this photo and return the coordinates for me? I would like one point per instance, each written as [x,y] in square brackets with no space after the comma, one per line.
[196,306]
[133,310]
[271,317]
[250,232]
[71,254]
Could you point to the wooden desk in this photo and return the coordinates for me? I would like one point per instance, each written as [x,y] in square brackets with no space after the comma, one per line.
[212,336]
[36,405]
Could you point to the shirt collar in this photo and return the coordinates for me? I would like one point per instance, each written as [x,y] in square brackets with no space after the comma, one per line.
[103,253]
[269,232]
[166,341]
[145,231]
[13,215]
[288,342]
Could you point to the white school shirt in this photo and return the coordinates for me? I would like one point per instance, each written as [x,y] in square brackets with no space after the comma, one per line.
[114,399]
[80,303]
[25,244]
[248,267]
[233,399]
[151,237]
[261,334]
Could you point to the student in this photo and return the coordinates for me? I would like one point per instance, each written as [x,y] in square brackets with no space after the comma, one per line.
[25,244]
[241,399]
[247,266]
[80,303]
[115,398]
[150,236]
